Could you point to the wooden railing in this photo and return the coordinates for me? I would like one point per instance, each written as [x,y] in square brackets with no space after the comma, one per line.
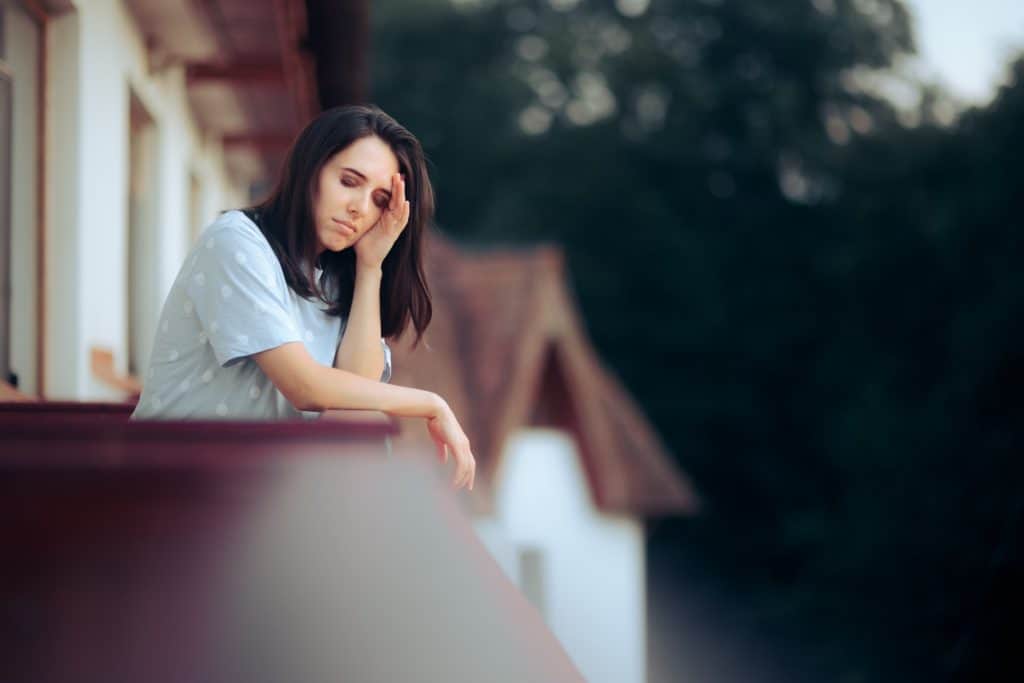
[244,551]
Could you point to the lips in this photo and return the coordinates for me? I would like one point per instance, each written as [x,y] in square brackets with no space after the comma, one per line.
[345,226]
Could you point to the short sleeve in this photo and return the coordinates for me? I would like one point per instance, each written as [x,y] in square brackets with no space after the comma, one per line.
[239,294]
[386,375]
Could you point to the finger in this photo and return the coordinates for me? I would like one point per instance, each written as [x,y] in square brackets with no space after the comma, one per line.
[461,472]
[442,453]
[469,468]
[401,219]
[457,476]
[397,192]
[397,225]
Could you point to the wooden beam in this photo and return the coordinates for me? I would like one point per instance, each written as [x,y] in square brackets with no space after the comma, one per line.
[339,38]
[101,363]
[272,141]
[36,10]
[269,72]
[290,20]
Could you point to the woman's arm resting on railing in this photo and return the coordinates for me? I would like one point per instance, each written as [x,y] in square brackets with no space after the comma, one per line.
[309,385]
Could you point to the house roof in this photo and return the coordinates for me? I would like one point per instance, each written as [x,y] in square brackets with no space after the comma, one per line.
[507,349]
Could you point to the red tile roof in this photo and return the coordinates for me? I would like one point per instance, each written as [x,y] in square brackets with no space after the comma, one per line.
[507,348]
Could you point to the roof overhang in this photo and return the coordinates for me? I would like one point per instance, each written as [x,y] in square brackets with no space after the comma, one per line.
[250,82]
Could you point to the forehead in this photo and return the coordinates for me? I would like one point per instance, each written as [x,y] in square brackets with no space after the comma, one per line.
[371,156]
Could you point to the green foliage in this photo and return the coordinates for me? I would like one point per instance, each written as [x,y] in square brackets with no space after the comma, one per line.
[819,308]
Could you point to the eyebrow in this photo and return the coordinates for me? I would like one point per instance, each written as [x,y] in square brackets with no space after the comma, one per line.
[349,168]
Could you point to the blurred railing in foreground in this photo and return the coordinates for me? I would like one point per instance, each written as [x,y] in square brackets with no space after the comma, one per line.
[244,551]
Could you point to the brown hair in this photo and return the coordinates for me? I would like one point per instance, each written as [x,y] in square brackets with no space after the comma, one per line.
[286,219]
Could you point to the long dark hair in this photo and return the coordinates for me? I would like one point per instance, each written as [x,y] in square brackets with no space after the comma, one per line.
[286,219]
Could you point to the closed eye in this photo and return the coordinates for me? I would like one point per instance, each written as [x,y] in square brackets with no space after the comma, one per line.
[381,200]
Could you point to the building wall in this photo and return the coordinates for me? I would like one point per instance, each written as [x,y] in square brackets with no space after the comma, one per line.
[97,62]
[583,568]
[65,366]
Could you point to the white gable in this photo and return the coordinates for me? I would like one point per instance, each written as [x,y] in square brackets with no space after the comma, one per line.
[583,568]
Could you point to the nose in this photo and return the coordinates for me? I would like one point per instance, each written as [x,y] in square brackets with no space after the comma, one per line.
[358,205]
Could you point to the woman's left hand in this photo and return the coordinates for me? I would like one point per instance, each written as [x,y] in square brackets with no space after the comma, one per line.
[376,242]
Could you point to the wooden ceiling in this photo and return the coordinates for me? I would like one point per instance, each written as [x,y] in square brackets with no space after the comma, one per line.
[252,71]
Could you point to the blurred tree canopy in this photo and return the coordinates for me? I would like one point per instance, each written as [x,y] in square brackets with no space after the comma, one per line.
[814,292]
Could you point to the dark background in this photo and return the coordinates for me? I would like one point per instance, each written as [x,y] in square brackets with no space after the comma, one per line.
[815,296]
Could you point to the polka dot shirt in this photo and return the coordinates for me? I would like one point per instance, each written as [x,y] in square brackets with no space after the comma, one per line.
[230,301]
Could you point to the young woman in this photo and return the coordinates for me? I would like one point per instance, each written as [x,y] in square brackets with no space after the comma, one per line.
[284,307]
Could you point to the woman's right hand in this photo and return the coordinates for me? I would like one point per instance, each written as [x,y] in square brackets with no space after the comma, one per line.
[308,385]
[448,436]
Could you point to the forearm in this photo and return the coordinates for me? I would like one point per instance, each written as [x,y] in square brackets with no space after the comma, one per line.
[341,389]
[310,386]
[360,349]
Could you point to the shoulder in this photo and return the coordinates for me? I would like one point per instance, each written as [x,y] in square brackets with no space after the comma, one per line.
[233,226]
[234,235]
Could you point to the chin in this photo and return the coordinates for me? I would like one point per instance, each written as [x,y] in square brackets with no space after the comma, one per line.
[336,244]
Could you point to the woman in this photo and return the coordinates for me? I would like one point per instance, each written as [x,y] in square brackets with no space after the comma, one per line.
[284,307]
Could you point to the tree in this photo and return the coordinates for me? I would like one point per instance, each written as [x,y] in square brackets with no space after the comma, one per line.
[799,289]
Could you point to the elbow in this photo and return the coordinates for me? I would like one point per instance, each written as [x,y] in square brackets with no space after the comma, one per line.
[309,402]
[307,405]
[303,395]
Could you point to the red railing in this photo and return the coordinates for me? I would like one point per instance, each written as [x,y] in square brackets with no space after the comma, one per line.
[244,551]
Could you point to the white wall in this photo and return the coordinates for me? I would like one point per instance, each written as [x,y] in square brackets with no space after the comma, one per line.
[97,58]
[495,538]
[591,563]
[64,348]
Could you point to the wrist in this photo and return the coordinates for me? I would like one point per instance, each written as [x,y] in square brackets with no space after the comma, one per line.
[435,405]
[368,270]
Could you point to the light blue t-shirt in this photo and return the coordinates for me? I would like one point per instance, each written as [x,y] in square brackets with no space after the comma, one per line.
[230,301]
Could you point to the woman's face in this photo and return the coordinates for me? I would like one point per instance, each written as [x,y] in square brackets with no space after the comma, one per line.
[353,191]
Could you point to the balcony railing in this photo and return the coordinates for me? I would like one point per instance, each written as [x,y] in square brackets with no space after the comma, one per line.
[244,551]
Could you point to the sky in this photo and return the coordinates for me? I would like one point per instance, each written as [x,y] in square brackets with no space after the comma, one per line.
[965,44]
